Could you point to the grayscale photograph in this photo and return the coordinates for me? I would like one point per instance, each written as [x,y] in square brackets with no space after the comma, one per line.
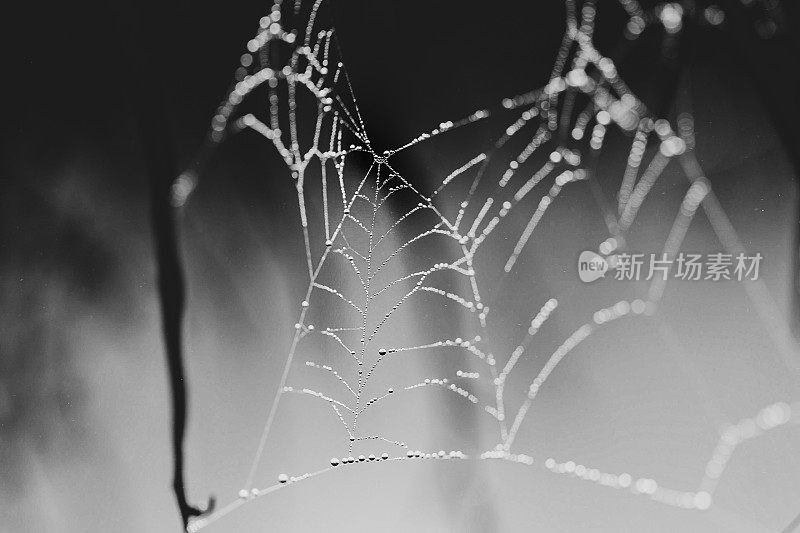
[399,266]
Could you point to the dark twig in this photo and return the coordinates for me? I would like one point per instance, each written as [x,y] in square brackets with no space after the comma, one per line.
[172,297]
[149,50]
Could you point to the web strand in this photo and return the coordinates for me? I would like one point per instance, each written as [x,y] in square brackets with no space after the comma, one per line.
[567,120]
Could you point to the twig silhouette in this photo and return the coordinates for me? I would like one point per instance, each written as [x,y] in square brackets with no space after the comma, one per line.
[149,54]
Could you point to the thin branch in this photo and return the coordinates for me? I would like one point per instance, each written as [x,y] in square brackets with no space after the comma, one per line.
[148,52]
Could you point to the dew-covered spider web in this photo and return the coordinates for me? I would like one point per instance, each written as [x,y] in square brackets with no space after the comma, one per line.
[376,240]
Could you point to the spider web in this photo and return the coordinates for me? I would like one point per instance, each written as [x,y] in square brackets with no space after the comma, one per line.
[356,210]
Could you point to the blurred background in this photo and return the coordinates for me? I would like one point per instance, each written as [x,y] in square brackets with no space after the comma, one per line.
[84,402]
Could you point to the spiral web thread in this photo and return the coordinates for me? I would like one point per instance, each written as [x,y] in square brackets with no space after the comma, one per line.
[312,85]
